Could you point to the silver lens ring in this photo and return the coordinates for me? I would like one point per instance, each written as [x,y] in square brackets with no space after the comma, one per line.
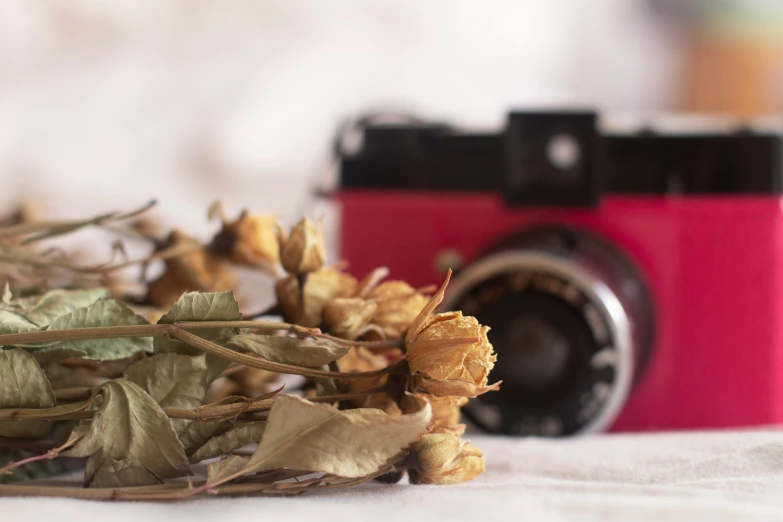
[583,281]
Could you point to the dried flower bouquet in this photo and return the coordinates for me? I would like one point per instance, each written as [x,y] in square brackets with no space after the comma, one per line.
[138,389]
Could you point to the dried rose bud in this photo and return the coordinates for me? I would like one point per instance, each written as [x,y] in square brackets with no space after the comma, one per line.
[444,458]
[348,317]
[251,240]
[449,348]
[452,347]
[320,287]
[304,249]
[195,269]
[398,305]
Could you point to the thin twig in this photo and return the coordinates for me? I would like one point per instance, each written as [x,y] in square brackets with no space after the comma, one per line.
[144,330]
[72,393]
[78,411]
[263,364]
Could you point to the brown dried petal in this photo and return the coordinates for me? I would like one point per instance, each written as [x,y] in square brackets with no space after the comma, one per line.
[398,305]
[348,317]
[451,388]
[445,410]
[198,270]
[421,319]
[320,287]
[304,249]
[360,359]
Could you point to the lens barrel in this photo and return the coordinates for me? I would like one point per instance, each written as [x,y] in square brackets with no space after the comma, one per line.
[571,322]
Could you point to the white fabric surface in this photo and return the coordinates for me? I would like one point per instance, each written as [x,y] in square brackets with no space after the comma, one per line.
[711,476]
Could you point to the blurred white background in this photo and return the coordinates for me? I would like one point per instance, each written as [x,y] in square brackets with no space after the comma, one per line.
[106,104]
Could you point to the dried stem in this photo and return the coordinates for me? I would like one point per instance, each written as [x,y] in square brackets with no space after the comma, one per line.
[49,455]
[78,411]
[176,491]
[263,364]
[23,229]
[144,330]
[72,393]
[370,345]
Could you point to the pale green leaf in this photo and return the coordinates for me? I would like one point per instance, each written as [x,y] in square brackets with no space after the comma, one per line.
[173,380]
[224,468]
[308,353]
[41,310]
[229,441]
[23,385]
[54,354]
[104,312]
[12,322]
[312,437]
[130,427]
[33,313]
[201,306]
[196,434]
[110,473]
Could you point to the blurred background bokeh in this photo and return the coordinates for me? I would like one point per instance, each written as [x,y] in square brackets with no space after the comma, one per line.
[106,104]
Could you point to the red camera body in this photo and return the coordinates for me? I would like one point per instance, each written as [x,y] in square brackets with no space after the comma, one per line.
[709,256]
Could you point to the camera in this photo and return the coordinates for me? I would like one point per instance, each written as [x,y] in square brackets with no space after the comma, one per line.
[631,280]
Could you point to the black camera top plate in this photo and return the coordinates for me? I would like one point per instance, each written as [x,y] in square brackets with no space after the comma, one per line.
[561,158]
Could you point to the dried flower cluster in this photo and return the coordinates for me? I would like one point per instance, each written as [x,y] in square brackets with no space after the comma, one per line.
[142,388]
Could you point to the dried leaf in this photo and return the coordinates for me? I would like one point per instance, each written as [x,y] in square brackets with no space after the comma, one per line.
[320,438]
[229,441]
[55,354]
[198,306]
[289,350]
[23,385]
[197,433]
[11,322]
[173,380]
[225,468]
[117,474]
[41,310]
[104,312]
[129,426]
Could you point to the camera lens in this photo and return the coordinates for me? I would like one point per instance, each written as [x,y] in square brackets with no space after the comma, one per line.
[571,322]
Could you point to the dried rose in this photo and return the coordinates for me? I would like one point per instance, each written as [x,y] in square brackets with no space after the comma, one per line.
[348,317]
[452,347]
[448,347]
[251,240]
[195,269]
[444,458]
[398,306]
[304,249]
[320,287]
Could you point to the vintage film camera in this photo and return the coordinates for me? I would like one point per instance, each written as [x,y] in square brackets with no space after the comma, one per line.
[632,281]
